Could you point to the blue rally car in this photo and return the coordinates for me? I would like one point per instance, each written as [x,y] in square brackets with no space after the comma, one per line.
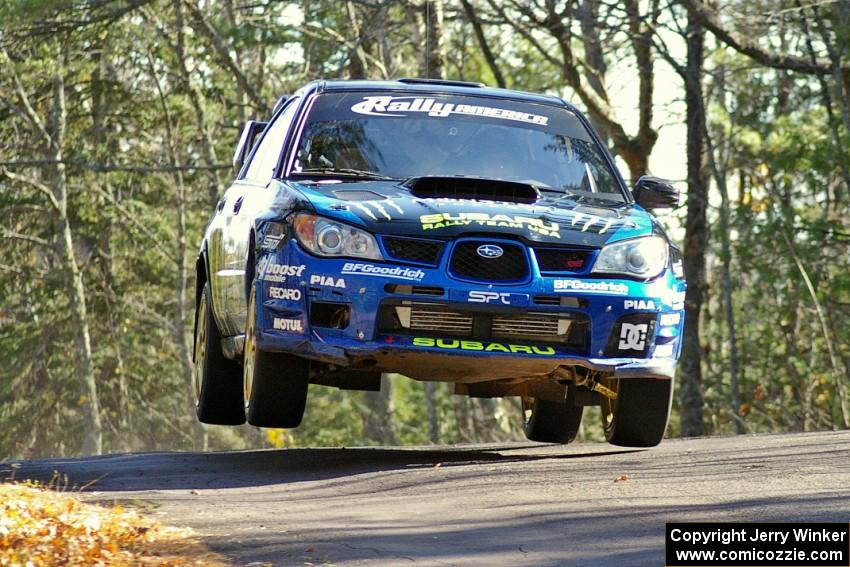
[444,231]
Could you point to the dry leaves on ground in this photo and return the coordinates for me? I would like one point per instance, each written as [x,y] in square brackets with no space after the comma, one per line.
[43,527]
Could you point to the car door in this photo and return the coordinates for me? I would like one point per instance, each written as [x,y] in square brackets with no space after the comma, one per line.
[251,193]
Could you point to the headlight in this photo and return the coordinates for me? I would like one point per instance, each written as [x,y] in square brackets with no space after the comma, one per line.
[641,257]
[325,237]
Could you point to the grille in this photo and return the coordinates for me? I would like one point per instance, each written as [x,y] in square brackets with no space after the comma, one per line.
[414,250]
[560,301]
[555,260]
[566,329]
[414,289]
[512,265]
[533,327]
[435,320]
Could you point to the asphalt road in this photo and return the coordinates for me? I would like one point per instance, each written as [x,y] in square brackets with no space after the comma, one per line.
[515,504]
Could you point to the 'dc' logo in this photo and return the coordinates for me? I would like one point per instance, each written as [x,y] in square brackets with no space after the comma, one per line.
[490,251]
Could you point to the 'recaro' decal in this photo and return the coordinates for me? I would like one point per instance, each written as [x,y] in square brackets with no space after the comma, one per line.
[284,293]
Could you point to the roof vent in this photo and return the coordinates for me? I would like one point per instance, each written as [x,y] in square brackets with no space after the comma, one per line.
[418,81]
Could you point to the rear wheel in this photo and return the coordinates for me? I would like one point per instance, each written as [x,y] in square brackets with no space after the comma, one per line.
[275,384]
[638,417]
[551,422]
[217,384]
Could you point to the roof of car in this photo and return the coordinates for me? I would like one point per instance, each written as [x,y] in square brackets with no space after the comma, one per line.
[432,86]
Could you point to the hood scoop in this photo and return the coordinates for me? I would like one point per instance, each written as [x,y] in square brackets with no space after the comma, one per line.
[434,187]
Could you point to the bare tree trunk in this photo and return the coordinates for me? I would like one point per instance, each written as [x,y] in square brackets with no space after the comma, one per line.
[728,305]
[461,410]
[489,57]
[378,419]
[358,66]
[435,56]
[696,236]
[719,170]
[106,146]
[92,437]
[588,16]
[197,102]
[181,314]
[827,101]
[433,423]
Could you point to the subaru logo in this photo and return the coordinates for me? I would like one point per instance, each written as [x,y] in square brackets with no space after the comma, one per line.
[490,251]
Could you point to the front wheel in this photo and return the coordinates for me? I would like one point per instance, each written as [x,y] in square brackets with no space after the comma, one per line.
[218,395]
[551,422]
[275,384]
[639,415]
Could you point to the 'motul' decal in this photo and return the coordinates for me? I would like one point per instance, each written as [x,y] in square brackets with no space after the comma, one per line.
[403,105]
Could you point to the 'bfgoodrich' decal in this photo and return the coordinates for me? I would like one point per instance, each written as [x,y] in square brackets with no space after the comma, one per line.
[383,271]
[581,286]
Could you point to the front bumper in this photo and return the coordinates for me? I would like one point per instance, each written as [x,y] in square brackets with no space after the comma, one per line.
[295,290]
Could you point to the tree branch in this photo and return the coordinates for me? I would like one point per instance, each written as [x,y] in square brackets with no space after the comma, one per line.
[707,17]
[205,29]
[37,185]
[7,234]
[104,168]
[482,43]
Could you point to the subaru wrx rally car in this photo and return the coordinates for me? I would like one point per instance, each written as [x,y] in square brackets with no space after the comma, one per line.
[443,231]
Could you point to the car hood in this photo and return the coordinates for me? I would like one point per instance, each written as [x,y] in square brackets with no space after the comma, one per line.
[392,207]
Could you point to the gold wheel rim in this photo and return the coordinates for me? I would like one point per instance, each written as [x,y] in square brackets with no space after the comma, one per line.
[250,351]
[200,350]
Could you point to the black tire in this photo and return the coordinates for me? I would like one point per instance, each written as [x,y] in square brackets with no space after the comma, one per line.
[639,415]
[217,380]
[552,422]
[275,384]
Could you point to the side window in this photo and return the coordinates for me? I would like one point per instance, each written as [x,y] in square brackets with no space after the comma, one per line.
[265,159]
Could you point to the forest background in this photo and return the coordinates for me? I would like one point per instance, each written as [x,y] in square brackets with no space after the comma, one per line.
[118,119]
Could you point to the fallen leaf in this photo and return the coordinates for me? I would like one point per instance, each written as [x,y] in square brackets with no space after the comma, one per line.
[622,478]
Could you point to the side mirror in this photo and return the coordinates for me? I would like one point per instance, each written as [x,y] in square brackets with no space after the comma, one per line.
[250,133]
[655,193]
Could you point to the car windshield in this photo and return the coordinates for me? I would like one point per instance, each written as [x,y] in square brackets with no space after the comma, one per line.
[373,136]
